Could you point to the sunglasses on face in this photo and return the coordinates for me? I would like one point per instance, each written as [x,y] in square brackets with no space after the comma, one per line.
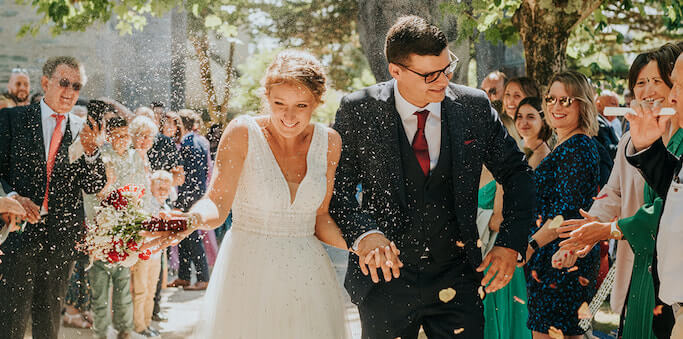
[433,76]
[65,83]
[564,101]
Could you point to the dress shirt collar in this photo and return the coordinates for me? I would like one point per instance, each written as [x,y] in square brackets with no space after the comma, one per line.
[47,112]
[406,109]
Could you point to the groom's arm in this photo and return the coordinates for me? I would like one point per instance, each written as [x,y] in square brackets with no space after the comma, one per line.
[510,169]
[344,207]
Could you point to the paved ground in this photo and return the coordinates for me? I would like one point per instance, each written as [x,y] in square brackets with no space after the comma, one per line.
[182,308]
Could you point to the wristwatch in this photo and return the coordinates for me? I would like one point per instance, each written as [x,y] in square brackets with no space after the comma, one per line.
[615,233]
[534,244]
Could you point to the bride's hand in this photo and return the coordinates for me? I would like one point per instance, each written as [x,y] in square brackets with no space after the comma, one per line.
[157,241]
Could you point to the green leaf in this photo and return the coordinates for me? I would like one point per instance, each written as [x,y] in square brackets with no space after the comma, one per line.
[212,21]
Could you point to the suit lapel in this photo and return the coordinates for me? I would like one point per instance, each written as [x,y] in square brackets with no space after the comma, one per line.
[452,110]
[388,124]
[35,125]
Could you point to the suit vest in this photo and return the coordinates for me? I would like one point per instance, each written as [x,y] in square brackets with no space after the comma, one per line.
[431,204]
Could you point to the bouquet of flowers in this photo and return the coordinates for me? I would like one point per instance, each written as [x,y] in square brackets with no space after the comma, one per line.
[114,237]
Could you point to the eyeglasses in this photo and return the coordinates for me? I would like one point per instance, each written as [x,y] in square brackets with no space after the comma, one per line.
[19,71]
[491,91]
[65,83]
[564,101]
[433,76]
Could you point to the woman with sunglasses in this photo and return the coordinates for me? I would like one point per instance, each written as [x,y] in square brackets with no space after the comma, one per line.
[628,197]
[566,180]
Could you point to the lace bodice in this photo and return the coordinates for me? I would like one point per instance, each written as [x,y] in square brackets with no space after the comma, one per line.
[262,202]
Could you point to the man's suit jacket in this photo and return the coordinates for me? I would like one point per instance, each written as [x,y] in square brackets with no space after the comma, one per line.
[194,154]
[23,170]
[367,121]
[658,166]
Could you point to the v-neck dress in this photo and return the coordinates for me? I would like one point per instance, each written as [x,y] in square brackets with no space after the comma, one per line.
[273,278]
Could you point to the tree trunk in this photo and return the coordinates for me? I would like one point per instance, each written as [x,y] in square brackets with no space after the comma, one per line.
[545,34]
[200,41]
[228,81]
[375,17]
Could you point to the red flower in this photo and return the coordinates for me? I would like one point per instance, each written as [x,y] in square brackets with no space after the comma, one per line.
[116,200]
[132,245]
[113,257]
[145,255]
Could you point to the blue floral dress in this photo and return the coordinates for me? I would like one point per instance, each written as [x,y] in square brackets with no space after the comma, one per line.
[566,180]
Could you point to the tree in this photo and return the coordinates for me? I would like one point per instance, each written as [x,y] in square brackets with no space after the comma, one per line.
[204,18]
[545,26]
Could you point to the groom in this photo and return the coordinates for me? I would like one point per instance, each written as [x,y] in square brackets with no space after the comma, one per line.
[416,144]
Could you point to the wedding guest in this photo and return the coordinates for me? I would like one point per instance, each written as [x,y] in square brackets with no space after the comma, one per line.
[661,170]
[127,167]
[36,170]
[609,99]
[532,125]
[636,205]
[145,274]
[194,155]
[565,182]
[18,89]
[515,90]
[494,85]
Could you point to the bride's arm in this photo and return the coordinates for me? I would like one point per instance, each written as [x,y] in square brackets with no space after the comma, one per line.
[325,228]
[212,209]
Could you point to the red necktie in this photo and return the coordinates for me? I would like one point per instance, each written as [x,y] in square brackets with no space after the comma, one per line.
[52,155]
[420,142]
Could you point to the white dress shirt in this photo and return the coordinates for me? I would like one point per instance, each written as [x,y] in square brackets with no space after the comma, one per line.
[432,133]
[49,123]
[432,127]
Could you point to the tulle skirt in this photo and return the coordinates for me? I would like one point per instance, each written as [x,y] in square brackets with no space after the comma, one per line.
[272,287]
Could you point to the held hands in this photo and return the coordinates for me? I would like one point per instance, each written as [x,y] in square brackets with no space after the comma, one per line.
[32,211]
[157,241]
[376,251]
[583,234]
[564,259]
[503,262]
[646,125]
[11,212]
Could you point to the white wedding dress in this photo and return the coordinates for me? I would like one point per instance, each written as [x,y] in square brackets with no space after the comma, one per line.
[273,278]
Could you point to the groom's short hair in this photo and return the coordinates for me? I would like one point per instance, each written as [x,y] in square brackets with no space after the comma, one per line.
[413,34]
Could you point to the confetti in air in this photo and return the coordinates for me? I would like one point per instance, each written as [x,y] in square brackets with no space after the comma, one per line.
[584,312]
[459,330]
[583,281]
[519,300]
[573,268]
[658,310]
[555,333]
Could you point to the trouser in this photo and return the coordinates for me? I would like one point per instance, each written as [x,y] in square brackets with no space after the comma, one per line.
[102,277]
[157,293]
[677,332]
[191,250]
[144,277]
[400,307]
[32,283]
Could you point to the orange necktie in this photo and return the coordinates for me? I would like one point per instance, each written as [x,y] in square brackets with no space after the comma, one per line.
[52,155]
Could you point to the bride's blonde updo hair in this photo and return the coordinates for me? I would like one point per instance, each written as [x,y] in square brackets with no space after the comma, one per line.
[292,66]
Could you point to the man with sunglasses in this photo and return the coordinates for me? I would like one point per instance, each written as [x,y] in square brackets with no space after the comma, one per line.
[494,85]
[18,89]
[416,145]
[37,168]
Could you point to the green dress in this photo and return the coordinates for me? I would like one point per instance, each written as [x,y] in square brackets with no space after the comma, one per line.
[640,231]
[504,317]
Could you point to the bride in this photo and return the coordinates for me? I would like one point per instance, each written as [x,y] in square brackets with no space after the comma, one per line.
[273,278]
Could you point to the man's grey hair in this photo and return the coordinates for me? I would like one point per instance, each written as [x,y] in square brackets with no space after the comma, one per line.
[52,63]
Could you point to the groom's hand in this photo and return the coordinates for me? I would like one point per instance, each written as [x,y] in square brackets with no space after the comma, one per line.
[503,261]
[376,251]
